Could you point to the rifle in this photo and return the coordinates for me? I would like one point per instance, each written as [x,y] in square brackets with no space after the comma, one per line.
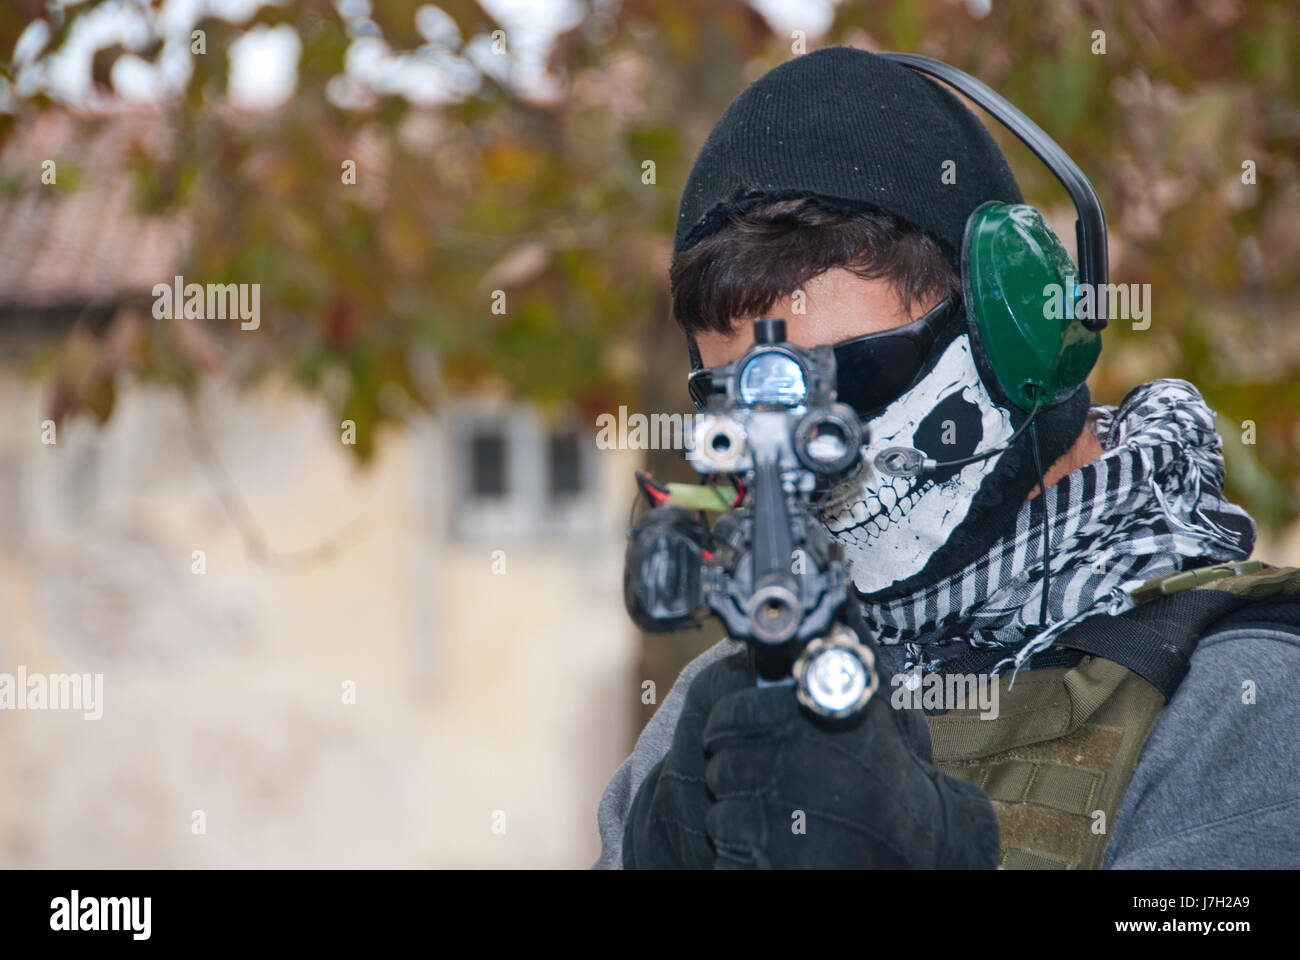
[766,568]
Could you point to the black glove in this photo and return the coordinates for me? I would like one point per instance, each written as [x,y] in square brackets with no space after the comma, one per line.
[665,827]
[765,784]
[793,790]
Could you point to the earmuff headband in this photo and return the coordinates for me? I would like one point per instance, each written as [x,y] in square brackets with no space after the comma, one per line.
[1090,227]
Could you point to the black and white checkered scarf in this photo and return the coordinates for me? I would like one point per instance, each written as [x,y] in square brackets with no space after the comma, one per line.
[1150,504]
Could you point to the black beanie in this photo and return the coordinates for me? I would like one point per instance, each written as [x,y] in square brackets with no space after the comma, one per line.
[859,132]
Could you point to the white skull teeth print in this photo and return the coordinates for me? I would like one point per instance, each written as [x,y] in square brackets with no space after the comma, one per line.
[890,526]
[882,504]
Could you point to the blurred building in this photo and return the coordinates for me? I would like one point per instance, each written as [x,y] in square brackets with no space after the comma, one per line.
[423,662]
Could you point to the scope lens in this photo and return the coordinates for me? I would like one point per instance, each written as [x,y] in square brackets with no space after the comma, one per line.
[773,378]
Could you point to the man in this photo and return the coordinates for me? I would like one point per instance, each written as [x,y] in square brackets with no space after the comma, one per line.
[820,198]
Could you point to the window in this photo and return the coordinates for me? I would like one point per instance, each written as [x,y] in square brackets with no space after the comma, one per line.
[566,464]
[487,454]
[518,475]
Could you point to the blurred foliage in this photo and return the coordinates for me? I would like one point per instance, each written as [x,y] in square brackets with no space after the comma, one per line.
[543,198]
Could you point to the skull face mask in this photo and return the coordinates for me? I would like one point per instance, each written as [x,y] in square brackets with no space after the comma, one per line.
[901,533]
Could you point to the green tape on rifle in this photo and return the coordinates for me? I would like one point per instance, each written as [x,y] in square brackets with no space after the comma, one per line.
[697,496]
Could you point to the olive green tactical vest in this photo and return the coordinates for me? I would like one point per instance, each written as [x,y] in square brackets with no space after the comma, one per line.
[1058,757]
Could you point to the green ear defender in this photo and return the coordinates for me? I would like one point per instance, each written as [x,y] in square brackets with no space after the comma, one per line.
[1019,282]
[1019,285]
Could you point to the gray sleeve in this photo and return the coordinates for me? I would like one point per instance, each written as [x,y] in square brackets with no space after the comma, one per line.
[1218,782]
[651,747]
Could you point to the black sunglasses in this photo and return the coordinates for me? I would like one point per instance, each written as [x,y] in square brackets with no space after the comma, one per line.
[870,371]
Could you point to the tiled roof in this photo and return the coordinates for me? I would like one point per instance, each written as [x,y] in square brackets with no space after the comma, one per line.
[84,239]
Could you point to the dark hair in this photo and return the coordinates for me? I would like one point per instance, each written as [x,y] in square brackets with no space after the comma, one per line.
[772,249]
